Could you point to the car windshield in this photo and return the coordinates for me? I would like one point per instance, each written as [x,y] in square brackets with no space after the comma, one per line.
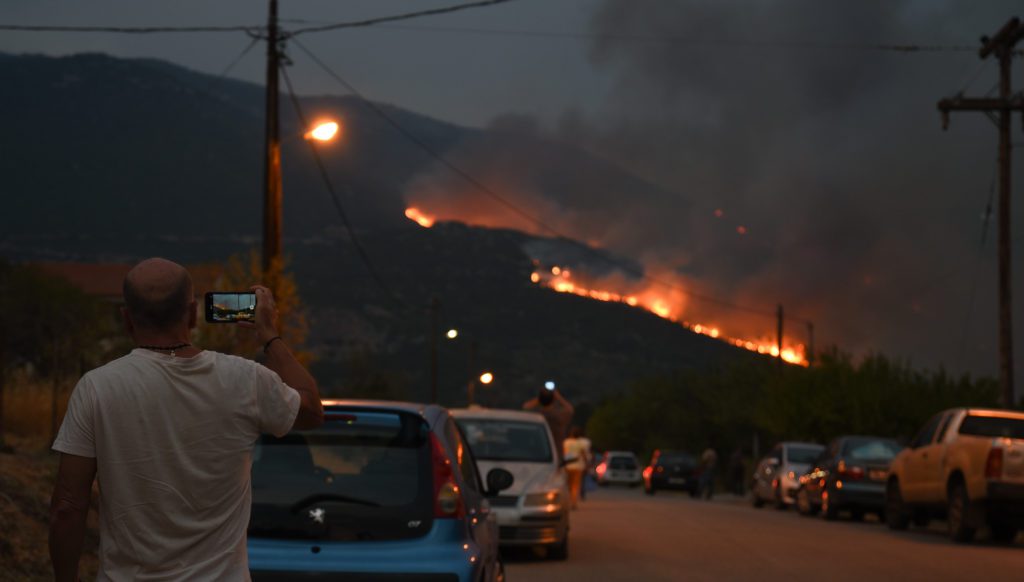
[361,476]
[507,440]
[993,426]
[683,459]
[867,449]
[803,455]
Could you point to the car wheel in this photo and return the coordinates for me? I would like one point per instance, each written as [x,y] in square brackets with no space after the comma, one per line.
[559,551]
[1003,533]
[779,503]
[959,505]
[829,509]
[896,515]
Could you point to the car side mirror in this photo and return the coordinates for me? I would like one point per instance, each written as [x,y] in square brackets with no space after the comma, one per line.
[498,480]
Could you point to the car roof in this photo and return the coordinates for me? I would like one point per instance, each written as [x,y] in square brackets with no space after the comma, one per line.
[428,411]
[498,414]
[623,453]
[994,412]
[789,444]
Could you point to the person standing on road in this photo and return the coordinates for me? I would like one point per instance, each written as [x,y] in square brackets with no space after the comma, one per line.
[168,430]
[556,410]
[737,472]
[708,462]
[576,451]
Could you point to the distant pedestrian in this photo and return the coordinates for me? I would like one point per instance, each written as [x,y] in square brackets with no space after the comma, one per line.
[708,463]
[556,410]
[577,455]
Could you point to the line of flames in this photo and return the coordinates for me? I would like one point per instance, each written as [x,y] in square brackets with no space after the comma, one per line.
[560,280]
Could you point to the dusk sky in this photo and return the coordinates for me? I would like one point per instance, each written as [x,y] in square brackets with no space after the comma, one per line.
[862,213]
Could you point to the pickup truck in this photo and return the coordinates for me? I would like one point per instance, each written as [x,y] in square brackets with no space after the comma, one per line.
[967,465]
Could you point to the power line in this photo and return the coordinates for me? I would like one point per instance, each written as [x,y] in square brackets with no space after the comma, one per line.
[360,250]
[131,29]
[746,43]
[512,207]
[397,17]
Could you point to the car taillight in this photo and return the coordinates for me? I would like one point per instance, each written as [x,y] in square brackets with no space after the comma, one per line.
[853,473]
[994,464]
[648,471]
[601,469]
[447,496]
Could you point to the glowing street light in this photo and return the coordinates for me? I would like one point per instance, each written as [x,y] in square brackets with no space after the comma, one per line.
[324,131]
[486,378]
[452,333]
[550,385]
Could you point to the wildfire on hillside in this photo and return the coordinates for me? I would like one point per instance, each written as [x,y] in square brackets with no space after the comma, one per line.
[664,302]
[414,214]
[665,305]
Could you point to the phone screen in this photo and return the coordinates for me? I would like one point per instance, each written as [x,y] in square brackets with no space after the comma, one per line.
[230,306]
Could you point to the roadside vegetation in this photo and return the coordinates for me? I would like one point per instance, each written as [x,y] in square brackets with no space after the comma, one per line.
[726,408]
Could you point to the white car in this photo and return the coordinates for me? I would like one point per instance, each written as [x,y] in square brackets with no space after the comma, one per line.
[619,468]
[777,476]
[534,511]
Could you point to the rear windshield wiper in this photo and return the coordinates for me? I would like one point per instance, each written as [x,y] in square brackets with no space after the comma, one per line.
[322,497]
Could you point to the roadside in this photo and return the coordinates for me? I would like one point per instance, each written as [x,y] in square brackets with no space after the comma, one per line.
[26,482]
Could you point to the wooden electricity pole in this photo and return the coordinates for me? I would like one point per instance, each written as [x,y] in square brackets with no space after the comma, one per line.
[272,196]
[781,318]
[435,332]
[1001,108]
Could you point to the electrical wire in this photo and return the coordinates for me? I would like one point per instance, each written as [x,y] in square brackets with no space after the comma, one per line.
[483,188]
[360,250]
[131,29]
[396,17]
[965,328]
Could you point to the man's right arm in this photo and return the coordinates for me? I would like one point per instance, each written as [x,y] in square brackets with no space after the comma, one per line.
[281,360]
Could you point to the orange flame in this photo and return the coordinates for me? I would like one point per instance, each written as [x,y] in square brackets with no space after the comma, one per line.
[649,300]
[414,214]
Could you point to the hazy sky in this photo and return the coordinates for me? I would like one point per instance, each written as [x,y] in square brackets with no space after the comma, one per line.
[862,213]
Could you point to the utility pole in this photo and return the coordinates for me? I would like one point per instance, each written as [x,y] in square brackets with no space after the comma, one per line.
[435,316]
[1002,46]
[810,343]
[272,196]
[781,318]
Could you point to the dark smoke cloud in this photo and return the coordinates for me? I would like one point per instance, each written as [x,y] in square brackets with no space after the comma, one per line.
[859,212]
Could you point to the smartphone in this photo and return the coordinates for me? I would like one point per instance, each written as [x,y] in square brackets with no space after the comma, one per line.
[230,306]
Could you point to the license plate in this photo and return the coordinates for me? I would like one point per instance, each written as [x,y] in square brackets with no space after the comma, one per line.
[877,474]
[677,481]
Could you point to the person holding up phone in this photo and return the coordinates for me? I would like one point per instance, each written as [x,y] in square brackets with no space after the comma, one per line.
[556,410]
[169,430]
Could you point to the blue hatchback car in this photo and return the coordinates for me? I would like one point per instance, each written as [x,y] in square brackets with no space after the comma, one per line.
[382,491]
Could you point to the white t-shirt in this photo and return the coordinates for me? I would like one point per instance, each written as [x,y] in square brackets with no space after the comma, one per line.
[173,440]
[579,450]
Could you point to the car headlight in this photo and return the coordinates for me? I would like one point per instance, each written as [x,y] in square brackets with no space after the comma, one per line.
[542,499]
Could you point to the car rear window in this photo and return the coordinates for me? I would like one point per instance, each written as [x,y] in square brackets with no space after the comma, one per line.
[867,449]
[622,462]
[507,440]
[682,459]
[804,455]
[993,426]
[363,475]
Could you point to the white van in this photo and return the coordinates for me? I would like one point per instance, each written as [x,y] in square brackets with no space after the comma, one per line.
[534,511]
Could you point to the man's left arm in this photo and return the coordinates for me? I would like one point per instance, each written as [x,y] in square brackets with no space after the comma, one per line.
[69,508]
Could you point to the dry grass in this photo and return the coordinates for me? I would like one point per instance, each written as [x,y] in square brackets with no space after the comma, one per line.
[27,406]
[26,483]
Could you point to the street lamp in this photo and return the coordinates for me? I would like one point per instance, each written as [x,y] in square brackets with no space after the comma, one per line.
[324,131]
[486,378]
[453,333]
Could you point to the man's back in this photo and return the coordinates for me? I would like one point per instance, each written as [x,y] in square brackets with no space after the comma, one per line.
[172,438]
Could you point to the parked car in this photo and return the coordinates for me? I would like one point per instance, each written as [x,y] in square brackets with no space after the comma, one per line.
[383,490]
[777,476]
[850,474]
[966,464]
[671,470]
[535,510]
[618,468]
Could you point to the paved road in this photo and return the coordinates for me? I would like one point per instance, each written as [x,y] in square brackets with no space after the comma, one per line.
[622,534]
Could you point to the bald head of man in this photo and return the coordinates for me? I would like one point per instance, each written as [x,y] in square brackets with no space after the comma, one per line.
[158,297]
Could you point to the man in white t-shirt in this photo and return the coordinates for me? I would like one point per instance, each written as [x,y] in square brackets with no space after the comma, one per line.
[168,431]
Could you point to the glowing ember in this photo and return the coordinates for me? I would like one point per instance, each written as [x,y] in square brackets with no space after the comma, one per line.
[414,214]
[559,280]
